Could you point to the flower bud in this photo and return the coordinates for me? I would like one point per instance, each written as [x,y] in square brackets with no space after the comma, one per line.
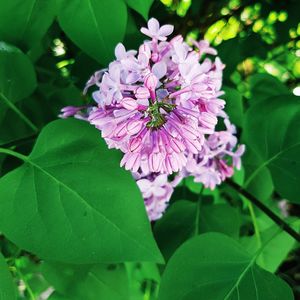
[151,81]
[142,93]
[129,103]
[133,127]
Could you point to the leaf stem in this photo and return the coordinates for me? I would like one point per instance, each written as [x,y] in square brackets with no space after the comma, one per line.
[147,295]
[13,153]
[281,223]
[18,112]
[28,288]
[254,221]
[20,141]
[199,203]
[256,228]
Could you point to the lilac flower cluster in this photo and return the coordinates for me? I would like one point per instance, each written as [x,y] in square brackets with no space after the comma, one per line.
[160,106]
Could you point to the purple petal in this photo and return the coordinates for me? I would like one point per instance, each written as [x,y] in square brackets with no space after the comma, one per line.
[120,51]
[166,30]
[153,25]
[161,180]
[159,69]
[144,184]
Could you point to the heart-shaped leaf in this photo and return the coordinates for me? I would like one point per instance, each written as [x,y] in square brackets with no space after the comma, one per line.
[213,266]
[70,201]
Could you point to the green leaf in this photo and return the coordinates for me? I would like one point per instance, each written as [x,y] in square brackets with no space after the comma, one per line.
[63,276]
[13,128]
[235,50]
[234,105]
[82,69]
[88,281]
[24,23]
[193,186]
[133,37]
[17,81]
[17,76]
[253,45]
[213,266]
[141,6]
[260,186]
[7,288]
[196,188]
[70,201]
[184,219]
[263,86]
[99,25]
[279,244]
[230,52]
[275,140]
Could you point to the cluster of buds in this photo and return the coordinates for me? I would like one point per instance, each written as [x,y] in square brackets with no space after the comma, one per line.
[160,106]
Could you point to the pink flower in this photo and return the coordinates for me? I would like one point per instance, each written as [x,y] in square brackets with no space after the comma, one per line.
[157,192]
[217,159]
[70,111]
[160,107]
[153,188]
[208,176]
[121,53]
[152,150]
[204,48]
[156,32]
[94,80]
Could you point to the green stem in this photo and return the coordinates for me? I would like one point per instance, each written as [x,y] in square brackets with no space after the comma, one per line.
[147,295]
[18,112]
[28,288]
[255,225]
[256,229]
[13,153]
[199,203]
[251,210]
